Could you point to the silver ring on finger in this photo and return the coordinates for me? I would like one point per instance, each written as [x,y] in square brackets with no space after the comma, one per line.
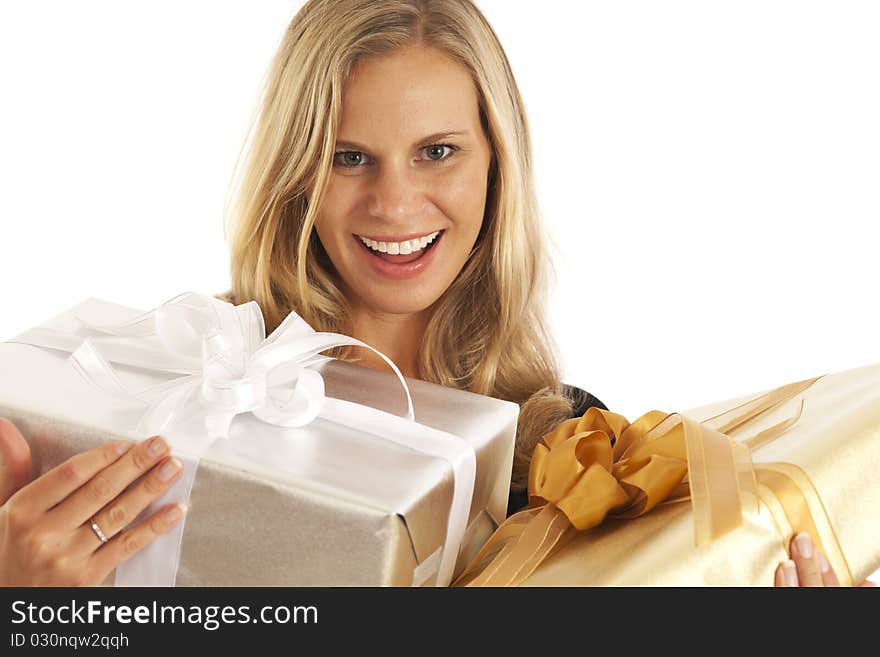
[100,534]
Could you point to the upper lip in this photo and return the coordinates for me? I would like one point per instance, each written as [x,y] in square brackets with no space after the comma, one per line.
[398,238]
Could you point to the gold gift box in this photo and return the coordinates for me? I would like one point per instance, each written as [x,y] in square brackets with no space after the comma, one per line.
[814,458]
[336,508]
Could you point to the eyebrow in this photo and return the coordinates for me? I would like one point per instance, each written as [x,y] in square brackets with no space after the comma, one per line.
[437,136]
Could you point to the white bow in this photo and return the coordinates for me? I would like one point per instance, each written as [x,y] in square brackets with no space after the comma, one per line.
[233,366]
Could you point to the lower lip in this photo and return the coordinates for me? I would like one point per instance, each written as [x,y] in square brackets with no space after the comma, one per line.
[403,270]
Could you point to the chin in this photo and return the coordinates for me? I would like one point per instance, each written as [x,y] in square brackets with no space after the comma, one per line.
[405,304]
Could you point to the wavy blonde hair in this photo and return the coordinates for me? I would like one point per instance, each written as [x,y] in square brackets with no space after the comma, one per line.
[488,333]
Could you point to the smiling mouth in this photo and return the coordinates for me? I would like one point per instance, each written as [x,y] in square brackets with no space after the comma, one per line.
[401,252]
[402,247]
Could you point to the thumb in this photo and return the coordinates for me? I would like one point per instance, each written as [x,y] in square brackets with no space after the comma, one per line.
[15,460]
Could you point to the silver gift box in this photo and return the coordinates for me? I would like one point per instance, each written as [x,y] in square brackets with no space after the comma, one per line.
[336,508]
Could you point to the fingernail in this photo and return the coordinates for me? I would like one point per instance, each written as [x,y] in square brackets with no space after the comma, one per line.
[122,447]
[174,513]
[780,576]
[804,545]
[169,469]
[156,446]
[791,578]
[823,563]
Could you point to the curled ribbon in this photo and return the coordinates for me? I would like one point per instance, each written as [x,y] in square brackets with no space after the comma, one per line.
[600,465]
[229,367]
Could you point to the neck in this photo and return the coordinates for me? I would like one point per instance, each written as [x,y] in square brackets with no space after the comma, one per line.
[396,336]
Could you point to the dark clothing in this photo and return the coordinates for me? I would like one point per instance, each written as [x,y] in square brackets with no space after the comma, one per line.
[582,400]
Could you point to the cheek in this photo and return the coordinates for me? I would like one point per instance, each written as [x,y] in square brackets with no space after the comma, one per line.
[332,215]
[464,199]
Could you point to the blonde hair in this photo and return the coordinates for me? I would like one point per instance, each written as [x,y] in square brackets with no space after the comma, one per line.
[488,333]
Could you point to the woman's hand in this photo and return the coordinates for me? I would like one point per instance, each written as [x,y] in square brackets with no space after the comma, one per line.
[46,534]
[808,566]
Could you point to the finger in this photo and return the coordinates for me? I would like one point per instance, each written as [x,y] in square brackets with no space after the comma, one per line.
[134,539]
[868,583]
[45,492]
[804,553]
[786,574]
[829,577]
[779,578]
[108,483]
[121,511]
[15,460]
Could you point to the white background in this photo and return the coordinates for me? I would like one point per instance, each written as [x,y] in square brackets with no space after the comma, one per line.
[708,171]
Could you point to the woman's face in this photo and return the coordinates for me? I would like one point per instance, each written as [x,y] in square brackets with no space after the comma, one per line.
[409,176]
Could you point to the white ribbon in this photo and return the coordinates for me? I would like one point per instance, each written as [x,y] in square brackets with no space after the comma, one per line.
[230,367]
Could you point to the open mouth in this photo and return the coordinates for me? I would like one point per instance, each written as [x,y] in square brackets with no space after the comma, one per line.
[399,258]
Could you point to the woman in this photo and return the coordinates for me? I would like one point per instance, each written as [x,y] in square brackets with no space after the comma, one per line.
[388,195]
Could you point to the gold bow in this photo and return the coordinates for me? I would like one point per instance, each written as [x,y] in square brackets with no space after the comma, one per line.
[600,465]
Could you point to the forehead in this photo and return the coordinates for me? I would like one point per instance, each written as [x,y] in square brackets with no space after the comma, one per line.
[407,94]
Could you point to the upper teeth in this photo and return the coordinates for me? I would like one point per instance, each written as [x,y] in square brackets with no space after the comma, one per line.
[403,248]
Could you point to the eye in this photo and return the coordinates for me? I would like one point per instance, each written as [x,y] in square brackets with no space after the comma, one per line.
[437,149]
[348,159]
[357,159]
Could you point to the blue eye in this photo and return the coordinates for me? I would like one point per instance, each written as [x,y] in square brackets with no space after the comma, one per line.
[440,146]
[355,159]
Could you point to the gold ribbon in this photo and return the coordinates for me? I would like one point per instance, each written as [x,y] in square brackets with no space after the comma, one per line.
[600,465]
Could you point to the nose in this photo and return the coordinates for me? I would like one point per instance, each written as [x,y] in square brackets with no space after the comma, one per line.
[397,195]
